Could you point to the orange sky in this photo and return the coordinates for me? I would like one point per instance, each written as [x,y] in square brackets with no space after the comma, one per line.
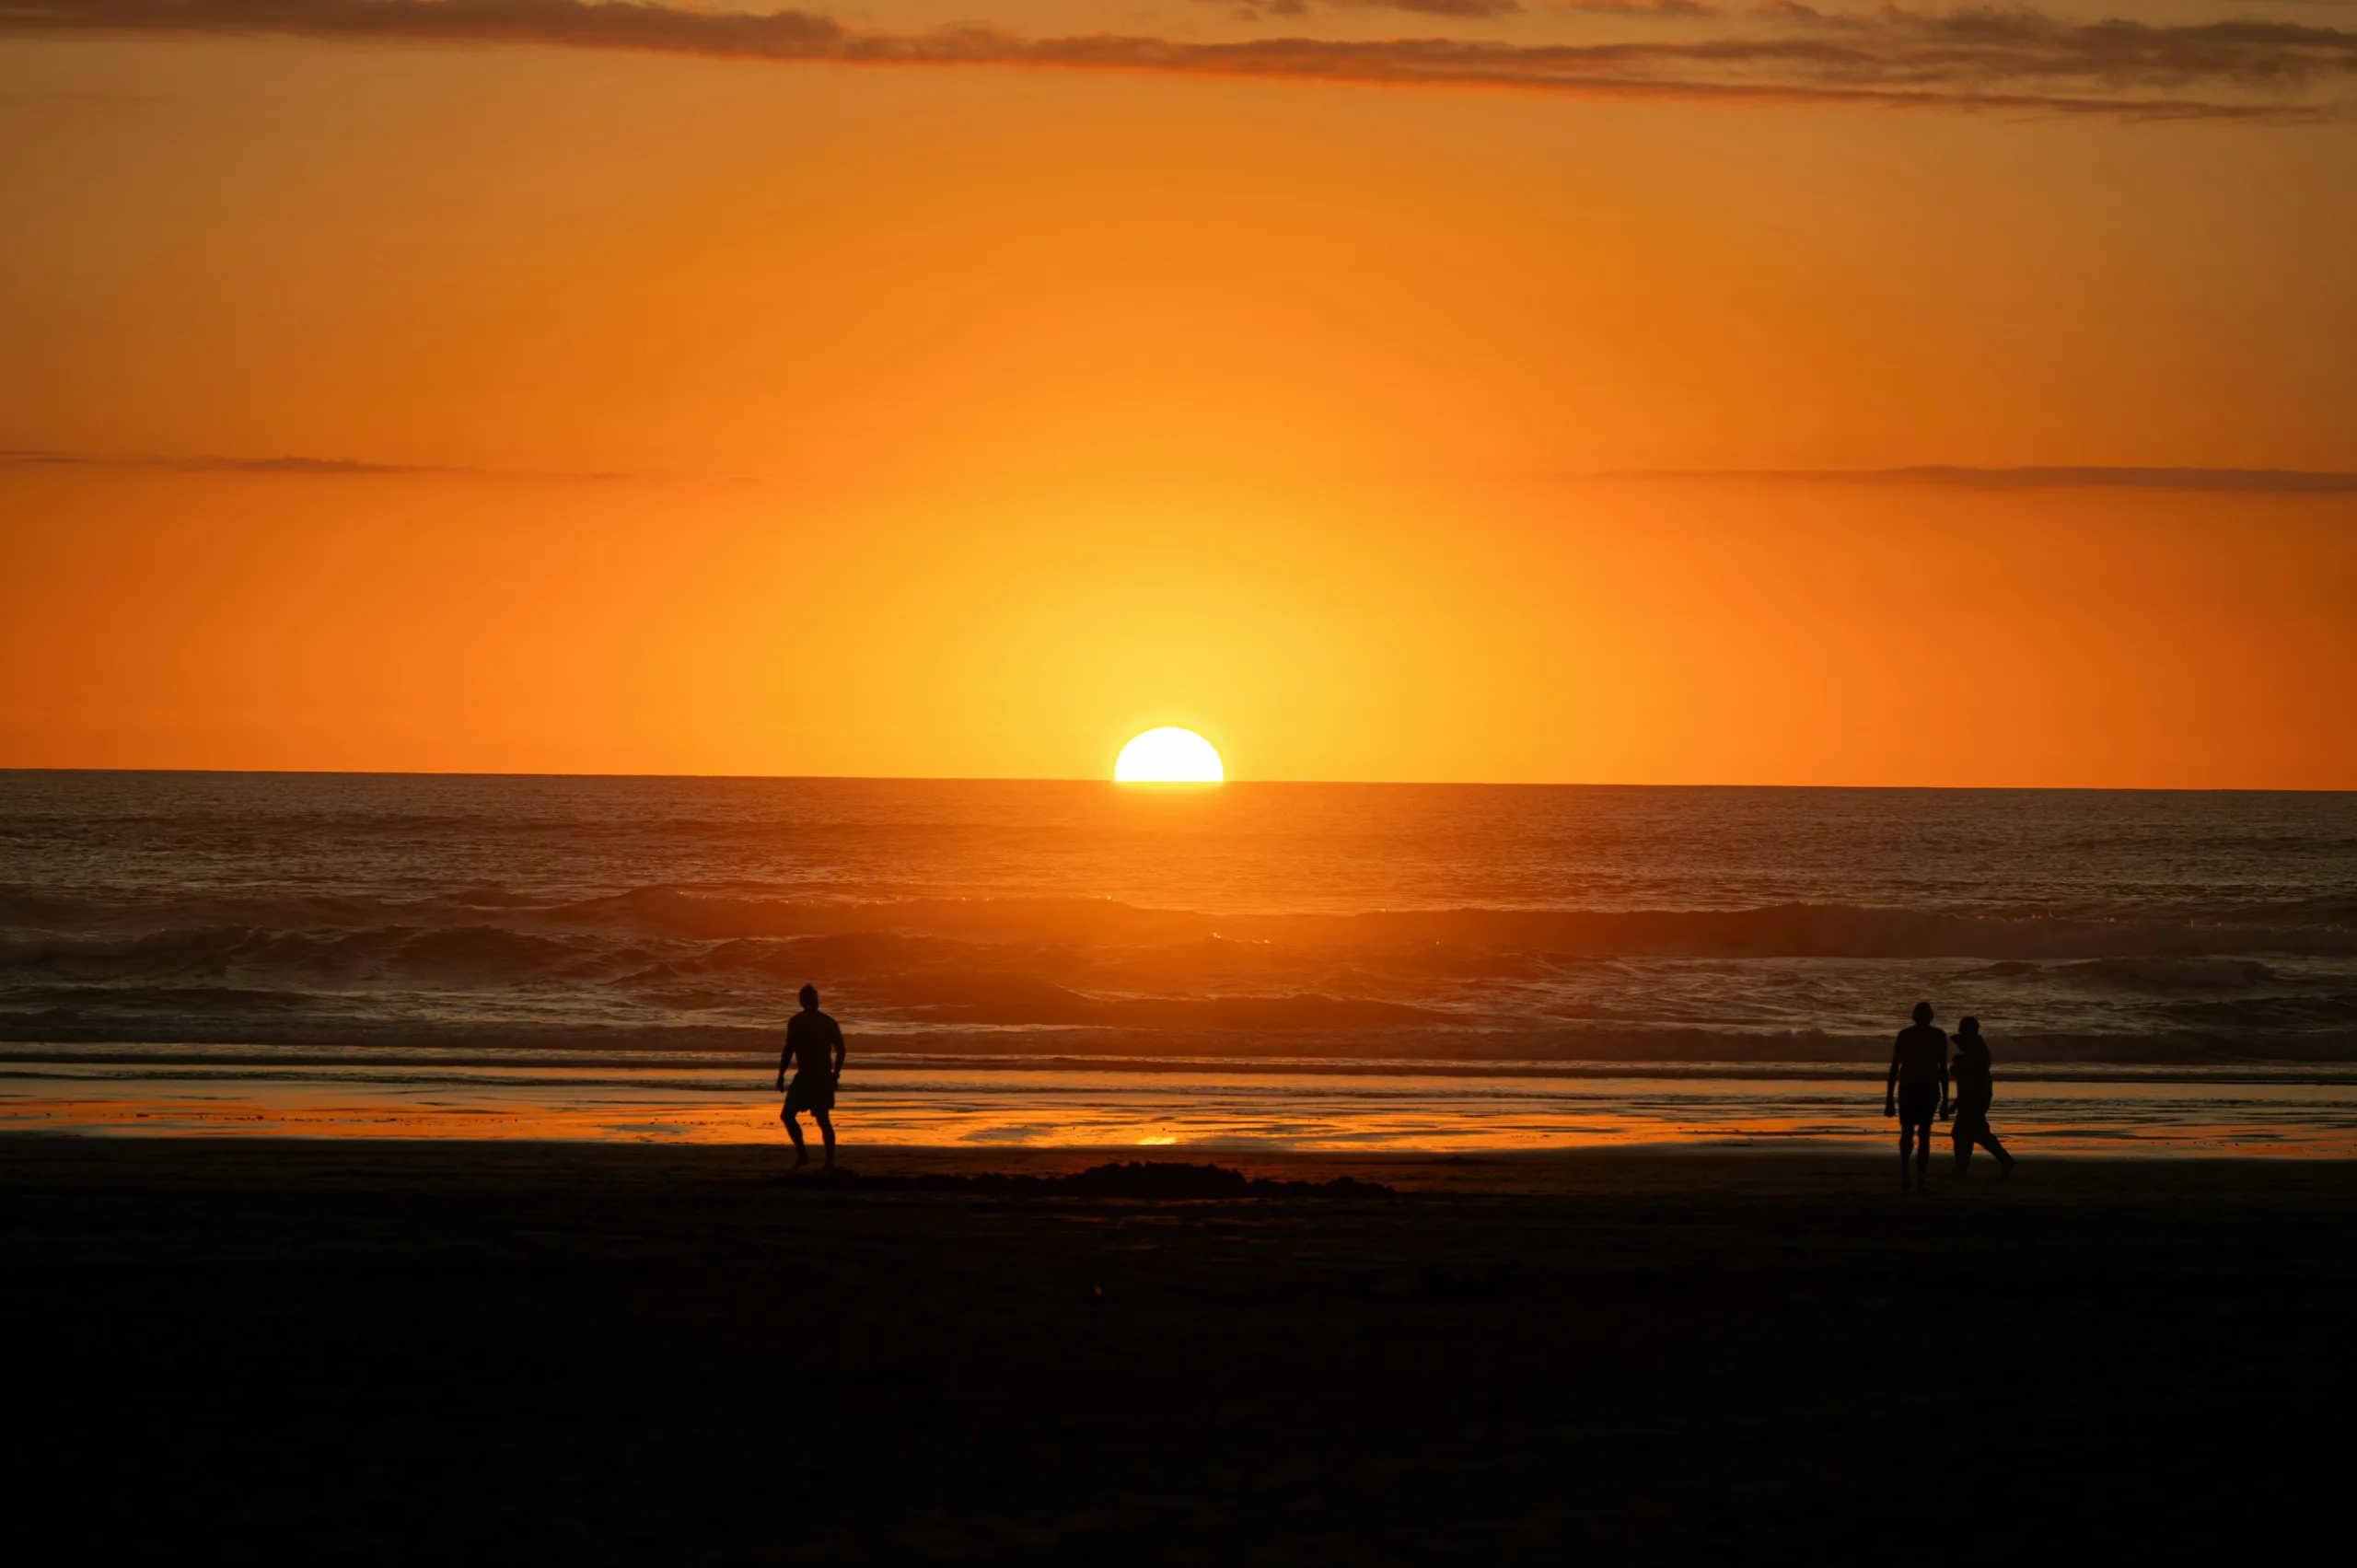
[967,420]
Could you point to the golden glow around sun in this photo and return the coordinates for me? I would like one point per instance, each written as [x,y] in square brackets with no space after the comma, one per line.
[1169,756]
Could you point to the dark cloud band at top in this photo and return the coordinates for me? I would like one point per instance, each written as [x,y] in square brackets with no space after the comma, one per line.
[2018,61]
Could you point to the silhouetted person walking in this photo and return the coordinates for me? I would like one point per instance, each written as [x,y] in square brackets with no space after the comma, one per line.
[815,1045]
[1973,1090]
[1917,1091]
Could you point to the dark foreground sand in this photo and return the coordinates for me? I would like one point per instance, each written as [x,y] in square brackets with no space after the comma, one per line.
[394,1351]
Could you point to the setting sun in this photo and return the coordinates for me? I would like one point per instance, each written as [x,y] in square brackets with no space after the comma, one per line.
[1169,756]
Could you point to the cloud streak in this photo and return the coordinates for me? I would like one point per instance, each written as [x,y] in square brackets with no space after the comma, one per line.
[207,463]
[317,467]
[2243,482]
[2004,60]
[2247,481]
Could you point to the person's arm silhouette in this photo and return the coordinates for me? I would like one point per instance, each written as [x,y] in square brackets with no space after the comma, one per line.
[1890,1089]
[1947,1100]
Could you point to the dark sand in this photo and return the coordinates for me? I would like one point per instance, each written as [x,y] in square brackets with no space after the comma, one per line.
[377,1351]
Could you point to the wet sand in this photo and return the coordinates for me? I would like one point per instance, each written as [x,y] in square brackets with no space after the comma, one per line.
[387,1350]
[1210,1110]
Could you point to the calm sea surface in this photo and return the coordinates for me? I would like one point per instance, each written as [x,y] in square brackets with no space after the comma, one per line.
[212,925]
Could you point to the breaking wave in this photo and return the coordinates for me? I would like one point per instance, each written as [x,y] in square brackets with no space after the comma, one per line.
[1295,921]
[663,965]
[1797,930]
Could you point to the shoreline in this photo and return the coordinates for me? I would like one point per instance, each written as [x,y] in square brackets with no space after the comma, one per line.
[1765,1172]
[206,1054]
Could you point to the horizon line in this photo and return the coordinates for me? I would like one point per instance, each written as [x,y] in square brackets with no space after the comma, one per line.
[1045,779]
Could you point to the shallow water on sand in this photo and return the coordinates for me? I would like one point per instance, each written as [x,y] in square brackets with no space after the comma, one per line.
[1367,1107]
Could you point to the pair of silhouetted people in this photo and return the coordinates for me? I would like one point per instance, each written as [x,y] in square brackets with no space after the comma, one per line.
[814,1045]
[1917,1090]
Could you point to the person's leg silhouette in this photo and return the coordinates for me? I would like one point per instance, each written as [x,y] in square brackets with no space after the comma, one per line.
[1914,1146]
[1918,1104]
[1972,1130]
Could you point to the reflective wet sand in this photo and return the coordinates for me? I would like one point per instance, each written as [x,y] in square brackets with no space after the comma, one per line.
[2258,1111]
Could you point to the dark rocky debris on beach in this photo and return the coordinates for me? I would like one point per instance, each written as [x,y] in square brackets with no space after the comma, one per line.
[1117,1178]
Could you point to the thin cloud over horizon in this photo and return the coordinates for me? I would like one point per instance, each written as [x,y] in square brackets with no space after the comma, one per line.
[285,464]
[2238,481]
[2244,481]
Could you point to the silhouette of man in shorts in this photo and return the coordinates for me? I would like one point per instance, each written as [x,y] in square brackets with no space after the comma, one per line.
[815,1046]
[1917,1091]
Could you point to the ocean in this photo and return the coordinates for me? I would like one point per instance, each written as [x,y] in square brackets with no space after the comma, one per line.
[1311,939]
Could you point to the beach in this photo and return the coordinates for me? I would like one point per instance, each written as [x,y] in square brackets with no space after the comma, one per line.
[386,1350]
